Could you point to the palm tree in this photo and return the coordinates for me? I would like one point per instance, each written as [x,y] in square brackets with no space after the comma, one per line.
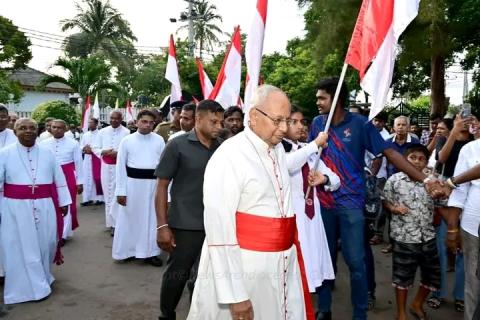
[204,27]
[102,30]
[85,75]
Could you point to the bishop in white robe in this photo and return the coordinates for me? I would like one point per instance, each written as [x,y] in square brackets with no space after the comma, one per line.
[92,186]
[251,266]
[106,148]
[31,177]
[135,229]
[68,154]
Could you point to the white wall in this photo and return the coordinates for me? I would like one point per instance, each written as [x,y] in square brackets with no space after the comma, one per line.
[32,99]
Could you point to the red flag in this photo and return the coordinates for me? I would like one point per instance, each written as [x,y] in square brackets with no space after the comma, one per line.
[129,112]
[227,87]
[171,73]
[205,82]
[373,47]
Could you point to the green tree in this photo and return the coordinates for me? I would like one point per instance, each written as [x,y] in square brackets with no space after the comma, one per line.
[204,25]
[102,29]
[56,109]
[8,87]
[14,46]
[85,75]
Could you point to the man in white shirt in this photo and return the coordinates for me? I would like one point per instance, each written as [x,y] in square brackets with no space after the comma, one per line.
[32,182]
[106,147]
[465,201]
[47,133]
[92,184]
[69,156]
[135,229]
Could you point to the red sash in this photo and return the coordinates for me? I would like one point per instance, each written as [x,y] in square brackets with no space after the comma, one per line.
[266,234]
[109,159]
[96,174]
[69,172]
[39,191]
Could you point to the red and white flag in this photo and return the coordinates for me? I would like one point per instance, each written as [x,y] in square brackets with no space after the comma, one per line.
[205,82]
[374,45]
[227,88]
[86,115]
[96,108]
[253,52]
[171,73]
[129,116]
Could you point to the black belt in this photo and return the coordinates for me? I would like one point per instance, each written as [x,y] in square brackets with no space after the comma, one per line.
[141,173]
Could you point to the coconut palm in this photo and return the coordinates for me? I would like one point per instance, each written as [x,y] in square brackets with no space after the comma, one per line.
[84,75]
[204,27]
[102,29]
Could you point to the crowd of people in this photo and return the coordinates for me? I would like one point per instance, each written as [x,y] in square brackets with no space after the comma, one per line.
[251,217]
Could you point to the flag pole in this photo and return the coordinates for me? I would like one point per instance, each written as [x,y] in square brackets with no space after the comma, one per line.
[329,119]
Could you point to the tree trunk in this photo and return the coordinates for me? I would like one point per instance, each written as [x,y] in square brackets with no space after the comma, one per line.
[438,100]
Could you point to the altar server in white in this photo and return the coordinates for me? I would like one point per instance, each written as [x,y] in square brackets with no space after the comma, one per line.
[92,184]
[31,177]
[137,158]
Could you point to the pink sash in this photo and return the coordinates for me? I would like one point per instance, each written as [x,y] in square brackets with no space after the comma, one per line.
[69,172]
[96,173]
[109,160]
[39,191]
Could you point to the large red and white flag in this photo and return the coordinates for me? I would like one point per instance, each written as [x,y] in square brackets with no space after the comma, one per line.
[129,116]
[205,82]
[86,115]
[96,108]
[254,51]
[374,45]
[171,73]
[227,87]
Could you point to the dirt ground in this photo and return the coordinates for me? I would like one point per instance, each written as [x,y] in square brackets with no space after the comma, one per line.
[91,286]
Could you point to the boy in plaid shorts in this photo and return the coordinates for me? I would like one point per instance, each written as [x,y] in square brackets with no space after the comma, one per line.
[413,235]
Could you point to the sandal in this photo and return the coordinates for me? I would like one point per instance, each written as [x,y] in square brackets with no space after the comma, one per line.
[371,301]
[387,249]
[418,316]
[434,302]
[376,240]
[459,306]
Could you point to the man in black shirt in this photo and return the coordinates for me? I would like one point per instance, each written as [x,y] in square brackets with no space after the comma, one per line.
[181,232]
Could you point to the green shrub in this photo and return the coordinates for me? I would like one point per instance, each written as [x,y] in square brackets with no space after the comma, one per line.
[56,109]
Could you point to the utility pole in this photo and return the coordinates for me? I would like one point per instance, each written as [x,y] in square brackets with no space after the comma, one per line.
[465,86]
[191,42]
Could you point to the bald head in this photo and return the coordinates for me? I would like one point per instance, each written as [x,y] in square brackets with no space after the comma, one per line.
[270,114]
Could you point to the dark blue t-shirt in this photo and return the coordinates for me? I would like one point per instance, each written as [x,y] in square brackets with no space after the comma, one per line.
[345,155]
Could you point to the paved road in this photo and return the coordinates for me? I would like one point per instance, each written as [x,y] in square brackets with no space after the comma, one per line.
[91,286]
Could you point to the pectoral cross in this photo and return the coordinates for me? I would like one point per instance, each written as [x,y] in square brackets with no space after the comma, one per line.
[33,188]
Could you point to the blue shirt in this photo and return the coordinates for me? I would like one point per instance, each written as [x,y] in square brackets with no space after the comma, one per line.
[400,148]
[345,155]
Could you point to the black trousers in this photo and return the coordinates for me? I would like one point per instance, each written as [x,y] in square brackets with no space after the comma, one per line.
[189,246]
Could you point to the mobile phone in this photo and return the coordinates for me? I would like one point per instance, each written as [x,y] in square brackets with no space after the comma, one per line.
[466,110]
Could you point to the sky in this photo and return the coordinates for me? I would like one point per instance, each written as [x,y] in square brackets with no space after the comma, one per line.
[150,22]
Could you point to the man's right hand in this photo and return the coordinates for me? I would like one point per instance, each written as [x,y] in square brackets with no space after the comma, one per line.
[242,310]
[321,140]
[165,239]
[107,152]
[122,200]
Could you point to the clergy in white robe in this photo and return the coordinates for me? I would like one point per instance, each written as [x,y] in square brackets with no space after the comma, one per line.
[68,154]
[92,185]
[250,266]
[7,137]
[300,160]
[137,158]
[106,147]
[29,219]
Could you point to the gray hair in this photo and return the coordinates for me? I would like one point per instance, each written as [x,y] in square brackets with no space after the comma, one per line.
[21,120]
[261,94]
[116,111]
[61,121]
[407,120]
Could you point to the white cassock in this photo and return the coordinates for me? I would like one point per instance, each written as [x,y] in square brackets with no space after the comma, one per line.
[7,137]
[67,151]
[44,136]
[311,232]
[29,227]
[135,228]
[89,189]
[245,175]
[109,138]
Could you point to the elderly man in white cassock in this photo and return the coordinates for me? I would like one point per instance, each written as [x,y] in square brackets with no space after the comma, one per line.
[69,156]
[251,265]
[106,148]
[92,184]
[34,186]
[138,156]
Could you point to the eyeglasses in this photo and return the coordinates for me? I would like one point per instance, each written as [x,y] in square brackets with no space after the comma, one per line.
[276,122]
